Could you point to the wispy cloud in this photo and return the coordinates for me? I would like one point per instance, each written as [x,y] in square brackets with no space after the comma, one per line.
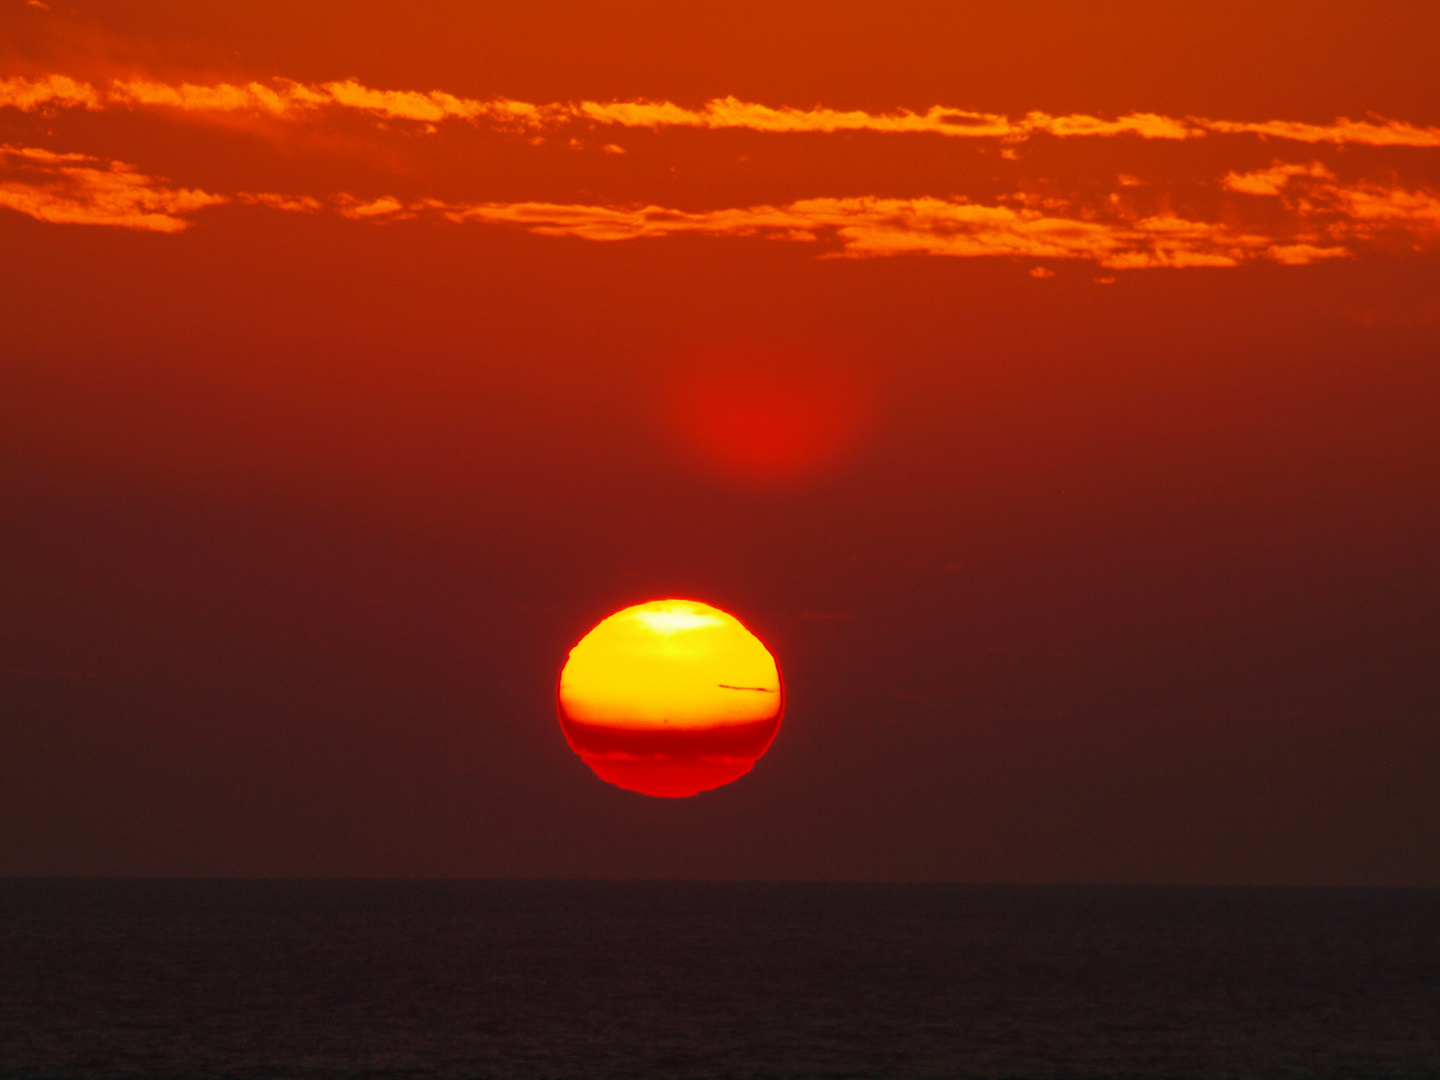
[1274,180]
[604,223]
[731,112]
[287,99]
[385,208]
[1343,132]
[295,204]
[1314,217]
[871,227]
[1329,209]
[54,90]
[76,189]
[1366,209]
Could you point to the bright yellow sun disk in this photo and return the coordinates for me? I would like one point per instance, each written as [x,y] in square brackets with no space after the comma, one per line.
[670,664]
[673,618]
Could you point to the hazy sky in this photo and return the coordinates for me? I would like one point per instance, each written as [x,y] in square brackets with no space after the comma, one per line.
[1053,391]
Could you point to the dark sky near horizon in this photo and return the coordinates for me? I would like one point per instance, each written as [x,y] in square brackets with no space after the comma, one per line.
[334,410]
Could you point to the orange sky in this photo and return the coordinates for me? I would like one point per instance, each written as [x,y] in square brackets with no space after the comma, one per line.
[1053,391]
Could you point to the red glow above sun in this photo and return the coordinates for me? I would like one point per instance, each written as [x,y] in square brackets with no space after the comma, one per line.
[765,417]
[670,698]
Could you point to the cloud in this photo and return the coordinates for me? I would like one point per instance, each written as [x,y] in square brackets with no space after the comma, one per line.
[288,99]
[1331,218]
[731,112]
[1335,211]
[871,227]
[386,208]
[1314,216]
[931,226]
[58,90]
[1303,254]
[609,223]
[1272,181]
[284,99]
[1145,125]
[1344,132]
[1306,215]
[1320,219]
[431,107]
[76,189]
[1365,210]
[295,204]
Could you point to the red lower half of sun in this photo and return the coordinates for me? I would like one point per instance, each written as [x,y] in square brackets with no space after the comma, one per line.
[670,763]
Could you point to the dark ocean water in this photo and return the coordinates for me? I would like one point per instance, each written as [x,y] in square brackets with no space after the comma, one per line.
[481,979]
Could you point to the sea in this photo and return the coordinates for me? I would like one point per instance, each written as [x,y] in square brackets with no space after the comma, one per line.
[346,979]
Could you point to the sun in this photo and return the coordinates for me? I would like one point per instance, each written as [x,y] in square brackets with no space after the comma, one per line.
[670,698]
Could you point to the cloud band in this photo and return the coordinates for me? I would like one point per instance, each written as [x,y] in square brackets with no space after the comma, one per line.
[286,99]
